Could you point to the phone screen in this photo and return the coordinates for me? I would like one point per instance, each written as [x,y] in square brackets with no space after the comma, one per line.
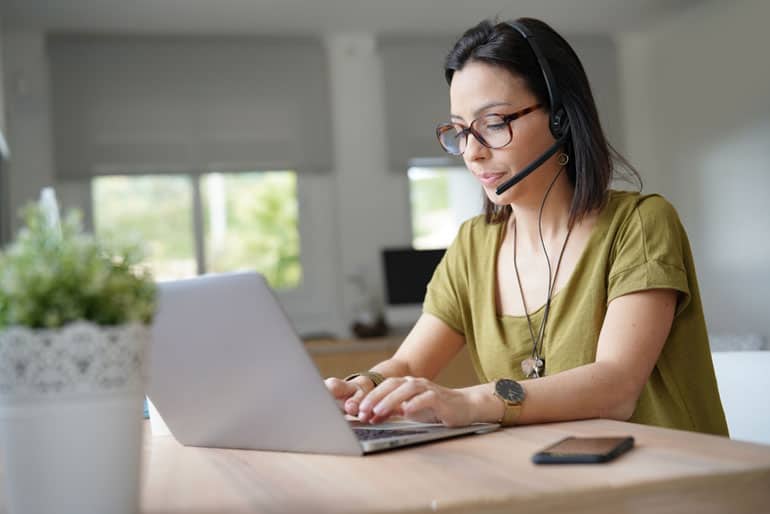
[584,450]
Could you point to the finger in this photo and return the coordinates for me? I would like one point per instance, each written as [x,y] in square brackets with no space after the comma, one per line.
[351,404]
[391,404]
[423,407]
[375,396]
[340,389]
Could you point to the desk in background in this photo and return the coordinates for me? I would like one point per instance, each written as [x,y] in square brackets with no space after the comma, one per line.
[669,471]
[341,357]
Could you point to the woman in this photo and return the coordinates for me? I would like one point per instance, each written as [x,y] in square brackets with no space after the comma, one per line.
[574,301]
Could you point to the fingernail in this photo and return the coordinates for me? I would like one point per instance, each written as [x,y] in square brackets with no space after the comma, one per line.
[378,409]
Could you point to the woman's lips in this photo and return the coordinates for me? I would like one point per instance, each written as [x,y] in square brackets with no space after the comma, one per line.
[490,179]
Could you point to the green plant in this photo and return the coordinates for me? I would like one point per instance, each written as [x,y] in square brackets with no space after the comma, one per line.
[53,274]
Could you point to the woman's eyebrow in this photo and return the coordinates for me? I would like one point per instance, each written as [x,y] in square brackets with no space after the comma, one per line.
[481,109]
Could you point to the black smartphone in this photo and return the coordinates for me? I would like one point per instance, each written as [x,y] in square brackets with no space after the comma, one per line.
[584,450]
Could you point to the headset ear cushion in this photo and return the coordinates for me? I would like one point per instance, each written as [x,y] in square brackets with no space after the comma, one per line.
[559,123]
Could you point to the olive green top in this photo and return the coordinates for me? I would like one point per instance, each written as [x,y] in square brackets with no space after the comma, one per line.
[638,243]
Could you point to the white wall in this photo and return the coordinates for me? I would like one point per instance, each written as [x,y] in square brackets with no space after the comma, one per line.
[4,224]
[371,203]
[697,112]
[2,86]
[28,117]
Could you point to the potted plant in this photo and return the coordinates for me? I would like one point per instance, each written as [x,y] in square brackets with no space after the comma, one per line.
[74,329]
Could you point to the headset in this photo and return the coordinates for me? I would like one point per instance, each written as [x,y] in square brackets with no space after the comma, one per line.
[558,121]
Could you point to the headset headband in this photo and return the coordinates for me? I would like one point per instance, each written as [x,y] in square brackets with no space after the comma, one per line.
[558,118]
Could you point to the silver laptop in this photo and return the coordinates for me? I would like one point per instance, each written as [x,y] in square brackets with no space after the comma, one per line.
[228,371]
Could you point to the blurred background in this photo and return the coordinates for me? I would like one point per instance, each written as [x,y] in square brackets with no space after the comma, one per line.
[296,137]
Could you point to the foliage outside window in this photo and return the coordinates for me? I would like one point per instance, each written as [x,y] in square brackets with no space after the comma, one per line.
[154,208]
[249,220]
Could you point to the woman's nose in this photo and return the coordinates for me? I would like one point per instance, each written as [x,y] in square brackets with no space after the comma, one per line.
[474,150]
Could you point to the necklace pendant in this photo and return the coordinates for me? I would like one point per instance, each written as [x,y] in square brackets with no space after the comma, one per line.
[533,367]
[528,366]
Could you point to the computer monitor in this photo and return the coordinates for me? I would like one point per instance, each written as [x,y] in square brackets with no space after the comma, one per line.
[407,272]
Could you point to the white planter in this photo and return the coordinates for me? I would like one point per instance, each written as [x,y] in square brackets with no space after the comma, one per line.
[71,418]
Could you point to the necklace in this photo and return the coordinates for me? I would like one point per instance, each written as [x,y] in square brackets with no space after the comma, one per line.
[534,366]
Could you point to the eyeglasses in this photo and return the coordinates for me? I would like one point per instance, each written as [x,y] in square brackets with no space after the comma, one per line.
[492,130]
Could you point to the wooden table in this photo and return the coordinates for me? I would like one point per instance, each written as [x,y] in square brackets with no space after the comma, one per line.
[668,471]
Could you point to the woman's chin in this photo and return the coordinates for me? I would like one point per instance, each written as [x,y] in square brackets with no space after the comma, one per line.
[503,199]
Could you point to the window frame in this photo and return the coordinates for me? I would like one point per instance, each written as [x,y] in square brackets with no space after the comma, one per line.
[288,297]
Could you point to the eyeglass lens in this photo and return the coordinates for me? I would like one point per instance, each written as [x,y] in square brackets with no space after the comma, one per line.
[491,131]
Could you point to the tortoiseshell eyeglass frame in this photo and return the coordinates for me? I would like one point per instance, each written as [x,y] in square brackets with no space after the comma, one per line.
[507,119]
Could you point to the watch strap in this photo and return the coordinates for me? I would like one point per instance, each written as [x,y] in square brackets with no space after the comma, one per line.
[510,414]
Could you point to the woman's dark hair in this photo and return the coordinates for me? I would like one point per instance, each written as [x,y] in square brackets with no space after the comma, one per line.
[592,160]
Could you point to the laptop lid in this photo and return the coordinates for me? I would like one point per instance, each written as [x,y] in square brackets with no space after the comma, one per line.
[228,371]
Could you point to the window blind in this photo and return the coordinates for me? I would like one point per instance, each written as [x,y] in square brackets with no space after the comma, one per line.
[416,96]
[152,104]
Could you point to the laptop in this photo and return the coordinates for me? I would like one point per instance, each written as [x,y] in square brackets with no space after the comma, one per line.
[228,371]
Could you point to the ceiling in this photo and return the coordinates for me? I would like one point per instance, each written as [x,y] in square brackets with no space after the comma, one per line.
[276,17]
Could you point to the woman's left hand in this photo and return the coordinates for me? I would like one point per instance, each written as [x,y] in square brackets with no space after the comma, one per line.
[417,399]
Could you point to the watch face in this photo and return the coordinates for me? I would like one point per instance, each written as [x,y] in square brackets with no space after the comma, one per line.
[510,390]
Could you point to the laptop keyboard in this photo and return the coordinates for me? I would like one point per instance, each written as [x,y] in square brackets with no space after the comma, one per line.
[369,434]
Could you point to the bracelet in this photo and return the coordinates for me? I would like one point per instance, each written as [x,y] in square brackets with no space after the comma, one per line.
[375,377]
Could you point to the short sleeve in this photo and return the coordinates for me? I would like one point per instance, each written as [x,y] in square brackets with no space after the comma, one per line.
[447,289]
[650,251]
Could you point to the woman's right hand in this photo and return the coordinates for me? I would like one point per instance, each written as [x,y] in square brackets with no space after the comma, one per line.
[349,394]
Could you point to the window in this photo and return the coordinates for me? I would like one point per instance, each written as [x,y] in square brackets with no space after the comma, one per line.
[251,221]
[246,220]
[441,199]
[156,208]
